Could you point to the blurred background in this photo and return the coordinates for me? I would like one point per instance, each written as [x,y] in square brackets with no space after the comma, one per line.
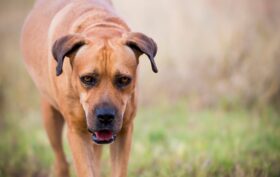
[212,110]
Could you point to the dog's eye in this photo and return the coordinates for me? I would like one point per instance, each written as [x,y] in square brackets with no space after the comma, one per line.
[122,81]
[89,80]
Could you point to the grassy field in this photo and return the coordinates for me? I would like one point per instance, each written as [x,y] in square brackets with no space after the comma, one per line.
[169,141]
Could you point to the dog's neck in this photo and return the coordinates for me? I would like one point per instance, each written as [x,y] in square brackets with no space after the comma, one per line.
[93,20]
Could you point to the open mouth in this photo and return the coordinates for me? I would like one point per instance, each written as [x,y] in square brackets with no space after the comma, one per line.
[103,137]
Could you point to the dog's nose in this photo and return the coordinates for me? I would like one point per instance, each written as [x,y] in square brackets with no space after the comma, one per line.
[105,114]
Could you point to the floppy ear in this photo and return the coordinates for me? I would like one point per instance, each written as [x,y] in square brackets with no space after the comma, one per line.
[141,43]
[65,46]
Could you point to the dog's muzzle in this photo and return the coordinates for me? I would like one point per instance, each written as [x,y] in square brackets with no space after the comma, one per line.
[105,119]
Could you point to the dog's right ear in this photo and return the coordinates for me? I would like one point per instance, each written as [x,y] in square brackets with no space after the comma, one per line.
[65,46]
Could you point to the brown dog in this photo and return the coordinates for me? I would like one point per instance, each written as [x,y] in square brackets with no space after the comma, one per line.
[83,58]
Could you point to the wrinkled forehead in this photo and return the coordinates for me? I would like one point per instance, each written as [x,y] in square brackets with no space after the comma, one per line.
[105,57]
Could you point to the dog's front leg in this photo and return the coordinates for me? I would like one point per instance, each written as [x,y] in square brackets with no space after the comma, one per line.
[82,151]
[97,152]
[120,150]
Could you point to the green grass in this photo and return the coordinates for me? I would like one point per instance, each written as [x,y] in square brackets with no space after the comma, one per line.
[172,141]
[169,141]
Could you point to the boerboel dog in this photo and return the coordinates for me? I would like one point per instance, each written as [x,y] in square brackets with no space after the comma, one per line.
[83,58]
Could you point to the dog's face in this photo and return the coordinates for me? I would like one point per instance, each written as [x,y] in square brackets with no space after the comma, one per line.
[104,75]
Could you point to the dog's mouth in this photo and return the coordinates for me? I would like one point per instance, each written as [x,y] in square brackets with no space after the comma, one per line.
[103,137]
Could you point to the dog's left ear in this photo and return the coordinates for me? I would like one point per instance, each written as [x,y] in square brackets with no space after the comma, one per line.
[141,43]
[65,46]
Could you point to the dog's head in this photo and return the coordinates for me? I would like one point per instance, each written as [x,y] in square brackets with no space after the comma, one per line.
[104,76]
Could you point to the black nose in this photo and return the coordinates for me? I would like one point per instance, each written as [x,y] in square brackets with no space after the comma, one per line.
[105,114]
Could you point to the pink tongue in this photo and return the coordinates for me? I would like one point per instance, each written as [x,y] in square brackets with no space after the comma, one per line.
[104,135]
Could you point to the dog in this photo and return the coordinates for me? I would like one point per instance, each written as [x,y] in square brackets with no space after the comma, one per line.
[83,59]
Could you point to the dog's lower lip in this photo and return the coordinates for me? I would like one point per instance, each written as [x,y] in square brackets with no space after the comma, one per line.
[107,140]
